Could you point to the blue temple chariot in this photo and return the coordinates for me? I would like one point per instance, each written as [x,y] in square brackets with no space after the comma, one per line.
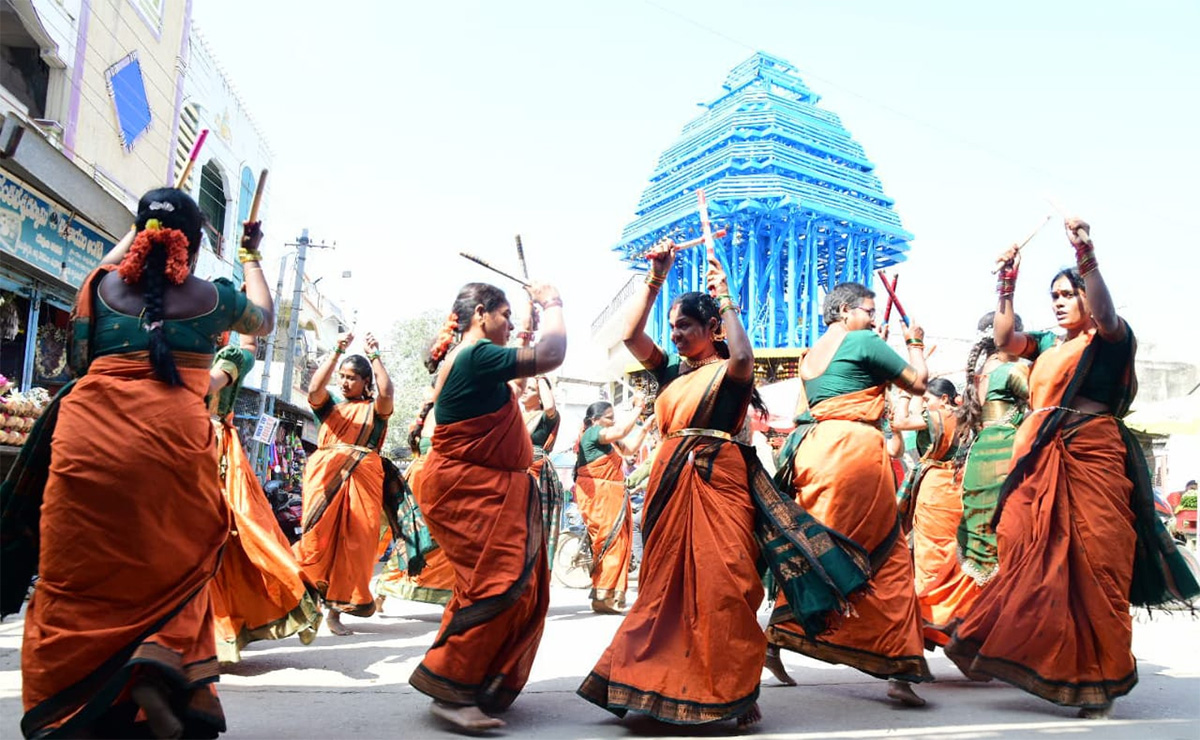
[797,194]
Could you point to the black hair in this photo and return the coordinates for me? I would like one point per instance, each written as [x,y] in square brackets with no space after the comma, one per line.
[469,296]
[1072,275]
[174,209]
[593,412]
[703,308]
[939,387]
[849,294]
[970,412]
[414,431]
[362,368]
[1189,484]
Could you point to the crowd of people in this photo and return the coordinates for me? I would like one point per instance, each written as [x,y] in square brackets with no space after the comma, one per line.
[1017,543]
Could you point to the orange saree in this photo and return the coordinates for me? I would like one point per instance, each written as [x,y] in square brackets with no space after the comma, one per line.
[691,651]
[343,504]
[259,592]
[484,510]
[605,507]
[944,591]
[433,581]
[843,477]
[131,455]
[1055,621]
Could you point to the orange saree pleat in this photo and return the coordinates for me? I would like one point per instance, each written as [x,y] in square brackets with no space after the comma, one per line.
[259,592]
[943,590]
[343,506]
[484,511]
[132,527]
[843,478]
[690,650]
[435,582]
[600,495]
[1055,620]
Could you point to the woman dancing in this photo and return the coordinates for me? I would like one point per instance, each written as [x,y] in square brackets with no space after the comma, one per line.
[1078,537]
[484,509]
[259,592]
[931,507]
[122,622]
[604,502]
[344,481]
[691,650]
[542,420]
[994,403]
[838,467]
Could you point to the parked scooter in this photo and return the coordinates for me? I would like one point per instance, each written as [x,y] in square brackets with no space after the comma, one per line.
[288,508]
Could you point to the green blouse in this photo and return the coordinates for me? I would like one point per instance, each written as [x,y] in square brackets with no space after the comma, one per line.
[861,361]
[545,427]
[1103,382]
[1006,385]
[235,362]
[732,396]
[590,448]
[477,384]
[118,333]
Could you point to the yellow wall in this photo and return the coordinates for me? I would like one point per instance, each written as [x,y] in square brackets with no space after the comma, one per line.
[116,28]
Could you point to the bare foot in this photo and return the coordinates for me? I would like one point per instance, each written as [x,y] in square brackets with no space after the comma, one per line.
[604,606]
[151,696]
[774,664]
[752,716]
[379,604]
[902,692]
[334,620]
[1104,712]
[470,718]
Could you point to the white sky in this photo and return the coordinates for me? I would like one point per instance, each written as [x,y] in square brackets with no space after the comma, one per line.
[409,131]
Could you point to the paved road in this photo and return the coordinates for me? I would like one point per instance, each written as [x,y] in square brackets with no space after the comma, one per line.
[356,687]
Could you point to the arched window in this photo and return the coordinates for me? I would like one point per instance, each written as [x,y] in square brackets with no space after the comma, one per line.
[213,202]
[246,195]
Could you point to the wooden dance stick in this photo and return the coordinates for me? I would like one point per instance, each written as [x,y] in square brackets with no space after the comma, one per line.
[690,242]
[931,351]
[892,297]
[521,258]
[187,170]
[1021,245]
[258,194]
[1087,239]
[887,312]
[497,270]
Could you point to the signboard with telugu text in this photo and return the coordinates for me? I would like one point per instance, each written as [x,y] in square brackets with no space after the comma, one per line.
[40,233]
[265,430]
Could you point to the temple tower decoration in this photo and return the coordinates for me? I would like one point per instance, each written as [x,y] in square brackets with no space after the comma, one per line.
[802,205]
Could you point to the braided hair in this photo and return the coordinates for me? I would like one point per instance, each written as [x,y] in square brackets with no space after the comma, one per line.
[703,308]
[470,296]
[418,425]
[173,209]
[970,413]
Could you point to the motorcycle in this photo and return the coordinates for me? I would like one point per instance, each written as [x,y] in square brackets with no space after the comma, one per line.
[288,508]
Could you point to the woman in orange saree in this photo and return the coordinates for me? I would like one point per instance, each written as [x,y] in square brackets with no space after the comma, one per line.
[931,508]
[344,481]
[542,420]
[259,591]
[113,501]
[841,473]
[603,501]
[484,509]
[1078,538]
[691,650]
[418,569]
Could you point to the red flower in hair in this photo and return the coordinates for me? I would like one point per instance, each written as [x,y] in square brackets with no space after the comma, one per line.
[133,265]
[445,338]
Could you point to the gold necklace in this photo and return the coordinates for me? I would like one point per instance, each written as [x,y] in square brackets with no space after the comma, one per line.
[701,363]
